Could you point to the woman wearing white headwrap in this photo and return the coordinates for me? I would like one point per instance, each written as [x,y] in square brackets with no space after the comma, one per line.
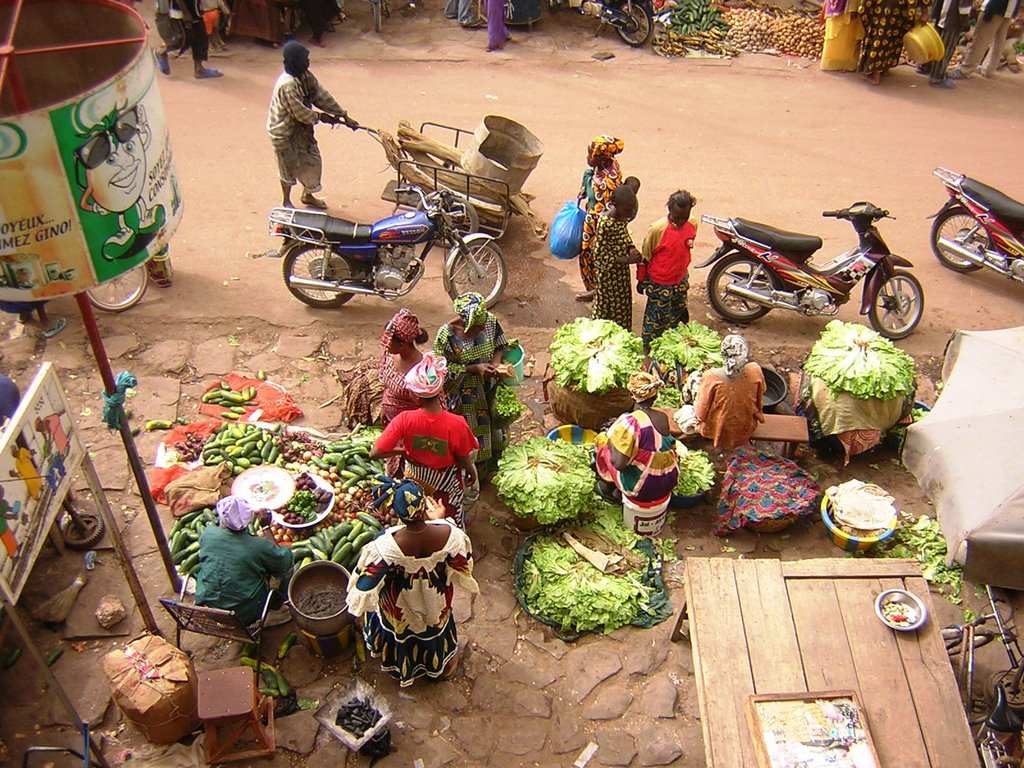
[234,565]
[729,400]
[437,445]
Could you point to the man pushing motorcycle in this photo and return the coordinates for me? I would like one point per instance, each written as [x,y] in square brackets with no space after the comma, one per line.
[290,125]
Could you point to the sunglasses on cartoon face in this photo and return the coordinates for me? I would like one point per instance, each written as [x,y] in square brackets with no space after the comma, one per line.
[99,147]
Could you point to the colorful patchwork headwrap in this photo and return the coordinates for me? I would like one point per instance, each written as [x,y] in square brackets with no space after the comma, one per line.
[643,386]
[404,497]
[405,325]
[234,513]
[605,146]
[735,354]
[426,378]
[471,308]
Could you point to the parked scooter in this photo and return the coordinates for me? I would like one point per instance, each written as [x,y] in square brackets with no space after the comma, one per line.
[978,227]
[329,260]
[759,268]
[633,19]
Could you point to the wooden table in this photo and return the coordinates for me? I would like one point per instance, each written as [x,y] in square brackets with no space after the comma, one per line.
[767,626]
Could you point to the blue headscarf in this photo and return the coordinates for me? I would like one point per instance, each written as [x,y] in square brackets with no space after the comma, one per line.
[404,497]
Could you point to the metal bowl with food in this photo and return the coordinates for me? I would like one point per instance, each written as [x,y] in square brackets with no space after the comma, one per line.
[901,610]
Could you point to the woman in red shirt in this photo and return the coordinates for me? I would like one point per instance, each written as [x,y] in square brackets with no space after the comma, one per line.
[663,271]
[437,445]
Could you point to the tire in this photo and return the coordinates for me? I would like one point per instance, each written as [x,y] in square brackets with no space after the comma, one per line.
[641,27]
[313,261]
[121,293]
[84,536]
[378,16]
[491,283]
[900,297]
[951,223]
[737,267]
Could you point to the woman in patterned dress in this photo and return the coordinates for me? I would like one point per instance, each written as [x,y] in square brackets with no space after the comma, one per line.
[473,344]
[404,583]
[399,340]
[613,253]
[599,181]
[885,24]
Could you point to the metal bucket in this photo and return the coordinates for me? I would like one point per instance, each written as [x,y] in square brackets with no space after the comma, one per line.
[324,582]
[503,149]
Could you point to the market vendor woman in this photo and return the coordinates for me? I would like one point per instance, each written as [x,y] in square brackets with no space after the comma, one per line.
[403,585]
[235,566]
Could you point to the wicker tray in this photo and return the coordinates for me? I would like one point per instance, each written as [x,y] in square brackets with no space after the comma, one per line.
[357,689]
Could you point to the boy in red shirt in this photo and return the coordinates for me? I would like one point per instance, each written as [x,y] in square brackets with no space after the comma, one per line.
[662,272]
[438,445]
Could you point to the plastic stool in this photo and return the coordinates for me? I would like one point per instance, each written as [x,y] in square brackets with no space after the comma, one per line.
[228,701]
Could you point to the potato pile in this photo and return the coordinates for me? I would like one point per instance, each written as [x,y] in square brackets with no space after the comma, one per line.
[762,28]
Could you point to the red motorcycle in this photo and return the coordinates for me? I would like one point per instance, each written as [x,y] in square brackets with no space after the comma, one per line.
[978,227]
[759,268]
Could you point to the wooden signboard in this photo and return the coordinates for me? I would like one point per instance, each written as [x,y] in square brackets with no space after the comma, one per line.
[811,730]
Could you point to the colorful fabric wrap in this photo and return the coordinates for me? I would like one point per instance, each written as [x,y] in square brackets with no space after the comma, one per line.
[405,325]
[605,146]
[234,513]
[644,386]
[653,469]
[426,378]
[759,486]
[471,308]
[735,354]
[404,497]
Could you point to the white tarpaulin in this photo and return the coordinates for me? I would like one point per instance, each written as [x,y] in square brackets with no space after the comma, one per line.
[966,454]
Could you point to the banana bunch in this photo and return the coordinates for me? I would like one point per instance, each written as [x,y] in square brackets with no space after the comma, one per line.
[670,43]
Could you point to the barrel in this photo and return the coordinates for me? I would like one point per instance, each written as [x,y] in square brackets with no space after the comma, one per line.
[316,598]
[503,149]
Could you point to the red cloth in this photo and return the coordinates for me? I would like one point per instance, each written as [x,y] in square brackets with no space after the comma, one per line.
[271,400]
[160,477]
[431,439]
[670,260]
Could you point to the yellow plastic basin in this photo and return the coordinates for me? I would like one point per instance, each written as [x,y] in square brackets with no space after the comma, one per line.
[923,44]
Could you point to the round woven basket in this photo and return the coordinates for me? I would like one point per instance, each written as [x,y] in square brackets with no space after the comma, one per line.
[772,525]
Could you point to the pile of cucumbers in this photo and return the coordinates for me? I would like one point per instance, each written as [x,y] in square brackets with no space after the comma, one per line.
[233,401]
[184,541]
[349,456]
[340,543]
[241,446]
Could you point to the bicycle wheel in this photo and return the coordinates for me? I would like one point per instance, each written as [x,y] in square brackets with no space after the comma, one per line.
[121,293]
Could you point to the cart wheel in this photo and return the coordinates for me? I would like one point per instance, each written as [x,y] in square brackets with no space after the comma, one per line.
[1010,678]
[86,533]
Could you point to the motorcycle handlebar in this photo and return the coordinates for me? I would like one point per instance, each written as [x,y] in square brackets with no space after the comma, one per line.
[831,214]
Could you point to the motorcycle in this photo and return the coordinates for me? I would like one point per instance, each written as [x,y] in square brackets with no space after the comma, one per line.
[759,268]
[328,260]
[633,20]
[978,227]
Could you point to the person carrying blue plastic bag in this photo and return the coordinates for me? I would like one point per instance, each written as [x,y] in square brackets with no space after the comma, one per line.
[567,231]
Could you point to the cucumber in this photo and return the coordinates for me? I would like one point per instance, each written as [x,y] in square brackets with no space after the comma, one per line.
[282,685]
[249,650]
[12,657]
[370,520]
[271,692]
[343,553]
[269,678]
[319,554]
[184,520]
[286,646]
[55,654]
[362,540]
[189,564]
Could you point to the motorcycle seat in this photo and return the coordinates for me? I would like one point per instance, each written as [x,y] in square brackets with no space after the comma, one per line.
[335,230]
[793,244]
[1003,206]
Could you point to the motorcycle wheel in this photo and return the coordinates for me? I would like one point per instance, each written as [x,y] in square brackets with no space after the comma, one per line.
[121,293]
[317,263]
[898,306]
[461,277]
[638,29]
[953,224]
[738,268]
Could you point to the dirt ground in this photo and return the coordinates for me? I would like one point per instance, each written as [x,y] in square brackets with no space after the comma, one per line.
[771,139]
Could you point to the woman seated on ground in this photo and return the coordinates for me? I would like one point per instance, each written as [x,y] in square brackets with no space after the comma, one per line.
[636,455]
[234,566]
[403,586]
[729,399]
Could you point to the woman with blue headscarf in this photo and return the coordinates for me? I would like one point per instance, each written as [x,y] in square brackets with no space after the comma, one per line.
[404,583]
[473,344]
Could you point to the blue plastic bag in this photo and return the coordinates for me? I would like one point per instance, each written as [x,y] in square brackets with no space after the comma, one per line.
[567,231]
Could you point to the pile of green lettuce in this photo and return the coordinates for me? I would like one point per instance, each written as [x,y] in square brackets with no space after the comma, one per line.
[507,403]
[595,355]
[696,473]
[691,345]
[852,358]
[669,397]
[549,480]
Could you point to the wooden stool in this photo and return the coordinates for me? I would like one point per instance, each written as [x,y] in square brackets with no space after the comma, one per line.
[788,430]
[228,700]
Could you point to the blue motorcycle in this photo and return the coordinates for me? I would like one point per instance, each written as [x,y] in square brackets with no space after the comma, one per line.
[328,260]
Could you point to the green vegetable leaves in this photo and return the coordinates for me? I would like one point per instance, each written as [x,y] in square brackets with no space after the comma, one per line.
[595,355]
[507,404]
[549,480]
[669,397]
[696,473]
[852,358]
[691,345]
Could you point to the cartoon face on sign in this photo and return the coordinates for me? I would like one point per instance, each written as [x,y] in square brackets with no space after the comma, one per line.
[110,167]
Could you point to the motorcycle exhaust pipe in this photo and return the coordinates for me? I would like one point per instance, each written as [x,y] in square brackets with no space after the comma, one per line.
[746,293]
[974,257]
[327,285]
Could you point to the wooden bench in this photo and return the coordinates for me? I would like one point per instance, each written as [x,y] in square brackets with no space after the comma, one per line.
[777,428]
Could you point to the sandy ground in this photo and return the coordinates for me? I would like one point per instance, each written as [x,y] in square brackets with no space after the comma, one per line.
[770,139]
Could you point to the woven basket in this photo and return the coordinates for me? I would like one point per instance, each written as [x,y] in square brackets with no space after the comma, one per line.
[773,525]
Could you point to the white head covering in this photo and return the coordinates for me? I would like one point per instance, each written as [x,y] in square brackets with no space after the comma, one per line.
[234,513]
[735,355]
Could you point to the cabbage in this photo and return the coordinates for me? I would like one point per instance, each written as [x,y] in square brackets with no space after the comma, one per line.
[549,480]
[693,346]
[507,403]
[669,397]
[854,359]
[696,472]
[595,355]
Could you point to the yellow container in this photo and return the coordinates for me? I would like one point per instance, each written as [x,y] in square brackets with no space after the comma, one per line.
[923,44]
[847,541]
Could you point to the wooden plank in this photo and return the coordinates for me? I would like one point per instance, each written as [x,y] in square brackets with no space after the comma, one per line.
[690,571]
[768,626]
[848,567]
[821,634]
[779,428]
[882,682]
[724,682]
[947,735]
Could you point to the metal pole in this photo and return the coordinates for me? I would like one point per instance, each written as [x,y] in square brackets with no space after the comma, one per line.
[122,553]
[55,685]
[138,472]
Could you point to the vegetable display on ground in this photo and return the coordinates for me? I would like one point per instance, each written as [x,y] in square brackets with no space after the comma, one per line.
[507,403]
[549,480]
[696,472]
[692,345]
[595,355]
[852,358]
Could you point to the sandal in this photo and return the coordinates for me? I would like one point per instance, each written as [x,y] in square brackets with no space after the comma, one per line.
[58,325]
